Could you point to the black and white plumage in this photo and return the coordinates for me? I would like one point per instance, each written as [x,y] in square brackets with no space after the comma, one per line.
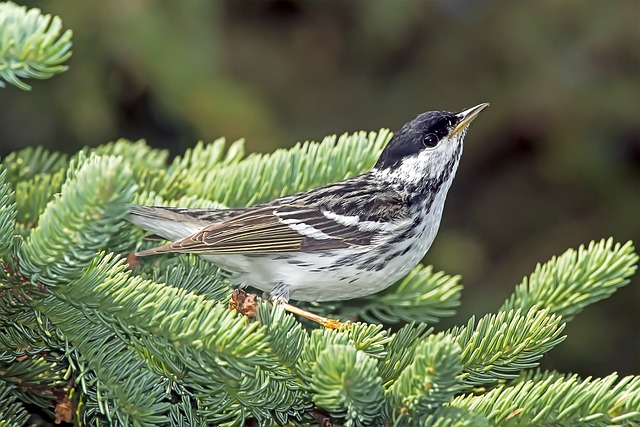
[342,241]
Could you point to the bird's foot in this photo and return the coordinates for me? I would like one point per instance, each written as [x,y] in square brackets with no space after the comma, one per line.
[247,304]
[243,302]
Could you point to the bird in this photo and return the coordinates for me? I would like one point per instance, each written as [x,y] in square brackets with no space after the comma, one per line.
[342,241]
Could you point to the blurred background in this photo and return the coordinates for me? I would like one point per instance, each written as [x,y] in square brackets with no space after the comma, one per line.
[552,164]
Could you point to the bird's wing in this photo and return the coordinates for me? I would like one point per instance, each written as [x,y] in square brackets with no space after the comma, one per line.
[281,228]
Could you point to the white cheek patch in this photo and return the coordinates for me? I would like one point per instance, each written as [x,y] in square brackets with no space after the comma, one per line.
[428,163]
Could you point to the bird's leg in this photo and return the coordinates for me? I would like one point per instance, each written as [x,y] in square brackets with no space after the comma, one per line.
[324,321]
[280,295]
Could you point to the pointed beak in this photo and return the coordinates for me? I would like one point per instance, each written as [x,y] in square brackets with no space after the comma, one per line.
[466,117]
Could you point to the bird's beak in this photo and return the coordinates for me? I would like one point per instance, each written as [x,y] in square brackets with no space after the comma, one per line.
[466,117]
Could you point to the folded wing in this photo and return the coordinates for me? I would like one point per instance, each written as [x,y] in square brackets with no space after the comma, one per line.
[272,229]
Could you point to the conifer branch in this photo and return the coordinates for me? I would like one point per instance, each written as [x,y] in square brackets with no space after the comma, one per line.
[401,350]
[12,412]
[567,284]
[428,382]
[447,416]
[29,162]
[8,213]
[36,174]
[29,359]
[32,45]
[287,337]
[72,229]
[553,399]
[345,382]
[262,177]
[191,273]
[147,165]
[319,339]
[197,340]
[188,171]
[33,195]
[338,394]
[134,395]
[501,345]
[33,376]
[370,339]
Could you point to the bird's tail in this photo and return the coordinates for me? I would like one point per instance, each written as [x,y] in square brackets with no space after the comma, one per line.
[168,223]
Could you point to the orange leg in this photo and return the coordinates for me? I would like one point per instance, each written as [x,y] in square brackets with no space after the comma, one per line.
[324,321]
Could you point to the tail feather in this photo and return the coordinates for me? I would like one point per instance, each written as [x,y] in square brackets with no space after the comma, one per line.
[156,250]
[167,223]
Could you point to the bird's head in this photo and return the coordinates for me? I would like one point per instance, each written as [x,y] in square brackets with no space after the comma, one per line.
[427,147]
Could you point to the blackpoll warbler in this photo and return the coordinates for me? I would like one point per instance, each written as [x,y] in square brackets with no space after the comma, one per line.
[342,241]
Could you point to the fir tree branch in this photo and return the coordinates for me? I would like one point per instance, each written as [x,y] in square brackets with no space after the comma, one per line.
[141,157]
[183,412]
[183,317]
[553,399]
[368,343]
[190,170]
[135,396]
[12,413]
[31,45]
[287,337]
[401,350]
[29,162]
[262,177]
[147,165]
[29,358]
[33,195]
[224,360]
[345,382]
[190,273]
[36,174]
[8,214]
[447,416]
[428,382]
[198,363]
[567,284]
[72,229]
[422,296]
[26,331]
[318,341]
[501,345]
[34,377]
[370,339]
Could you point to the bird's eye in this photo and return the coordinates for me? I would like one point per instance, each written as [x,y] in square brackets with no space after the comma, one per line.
[430,141]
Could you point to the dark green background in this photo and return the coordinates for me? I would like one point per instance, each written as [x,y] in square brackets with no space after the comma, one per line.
[553,163]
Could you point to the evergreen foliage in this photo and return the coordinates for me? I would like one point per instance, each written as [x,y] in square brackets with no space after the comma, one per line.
[12,413]
[99,338]
[31,45]
[549,398]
